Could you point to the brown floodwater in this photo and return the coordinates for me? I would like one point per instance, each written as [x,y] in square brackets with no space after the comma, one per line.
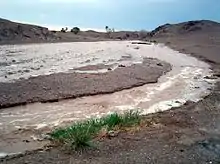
[186,82]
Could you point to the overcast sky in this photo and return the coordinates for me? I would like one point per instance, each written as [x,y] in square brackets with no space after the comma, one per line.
[120,14]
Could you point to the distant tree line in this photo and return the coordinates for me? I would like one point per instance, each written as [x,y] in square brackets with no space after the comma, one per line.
[76,30]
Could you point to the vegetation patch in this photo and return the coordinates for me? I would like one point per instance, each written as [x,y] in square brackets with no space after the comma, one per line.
[81,134]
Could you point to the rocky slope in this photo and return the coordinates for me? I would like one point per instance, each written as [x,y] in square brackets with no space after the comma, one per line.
[198,38]
[190,27]
[11,32]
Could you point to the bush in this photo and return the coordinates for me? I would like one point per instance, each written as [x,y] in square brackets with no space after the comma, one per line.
[64,29]
[75,30]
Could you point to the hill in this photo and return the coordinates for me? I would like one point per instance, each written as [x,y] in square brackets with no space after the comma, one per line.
[190,27]
[199,38]
[12,32]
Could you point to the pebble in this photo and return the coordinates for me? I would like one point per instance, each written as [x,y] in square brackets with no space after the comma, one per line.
[160,64]
[112,133]
[26,141]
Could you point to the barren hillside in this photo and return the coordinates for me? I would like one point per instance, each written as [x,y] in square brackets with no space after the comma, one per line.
[191,36]
[11,32]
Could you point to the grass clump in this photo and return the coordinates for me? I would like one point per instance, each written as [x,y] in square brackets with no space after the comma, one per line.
[81,134]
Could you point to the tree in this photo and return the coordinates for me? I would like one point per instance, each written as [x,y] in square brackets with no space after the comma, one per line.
[63,30]
[109,31]
[75,30]
[107,28]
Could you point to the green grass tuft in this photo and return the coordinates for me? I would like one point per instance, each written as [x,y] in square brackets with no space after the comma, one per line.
[80,134]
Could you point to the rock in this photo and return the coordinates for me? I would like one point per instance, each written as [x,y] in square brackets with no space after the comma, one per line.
[27,71]
[13,61]
[46,88]
[121,65]
[112,133]
[136,48]
[209,89]
[46,136]
[217,74]
[87,61]
[160,64]
[153,41]
[35,68]
[210,77]
[146,43]
[178,102]
[36,138]
[109,69]
[10,73]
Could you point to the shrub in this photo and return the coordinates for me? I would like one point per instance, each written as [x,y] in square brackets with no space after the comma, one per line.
[63,30]
[53,31]
[75,30]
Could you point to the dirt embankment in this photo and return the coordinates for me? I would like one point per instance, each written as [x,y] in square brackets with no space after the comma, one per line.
[59,86]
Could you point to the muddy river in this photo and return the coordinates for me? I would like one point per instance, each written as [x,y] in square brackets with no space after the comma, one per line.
[187,81]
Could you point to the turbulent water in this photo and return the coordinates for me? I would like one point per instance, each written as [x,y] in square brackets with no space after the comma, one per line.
[185,82]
